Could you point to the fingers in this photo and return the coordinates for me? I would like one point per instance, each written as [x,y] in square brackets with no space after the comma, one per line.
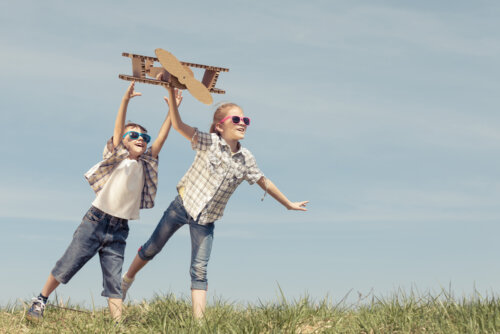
[174,94]
[130,87]
[129,93]
[166,100]
[301,206]
[159,76]
[130,90]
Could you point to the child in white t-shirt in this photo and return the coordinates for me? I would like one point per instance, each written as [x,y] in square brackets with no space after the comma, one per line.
[125,181]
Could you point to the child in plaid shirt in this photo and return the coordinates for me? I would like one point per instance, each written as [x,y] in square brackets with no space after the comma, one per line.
[124,182]
[220,165]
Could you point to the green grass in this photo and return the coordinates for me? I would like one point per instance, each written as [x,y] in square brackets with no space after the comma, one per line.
[399,313]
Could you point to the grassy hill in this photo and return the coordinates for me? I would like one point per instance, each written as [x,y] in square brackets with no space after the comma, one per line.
[399,313]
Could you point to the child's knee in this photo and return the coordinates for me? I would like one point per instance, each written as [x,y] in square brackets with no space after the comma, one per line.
[148,252]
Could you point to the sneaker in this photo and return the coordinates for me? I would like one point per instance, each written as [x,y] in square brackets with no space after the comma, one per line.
[36,310]
[126,284]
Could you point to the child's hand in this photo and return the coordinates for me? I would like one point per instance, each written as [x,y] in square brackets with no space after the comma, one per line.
[300,206]
[178,98]
[130,93]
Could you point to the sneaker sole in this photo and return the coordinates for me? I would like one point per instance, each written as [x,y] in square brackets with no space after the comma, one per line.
[33,318]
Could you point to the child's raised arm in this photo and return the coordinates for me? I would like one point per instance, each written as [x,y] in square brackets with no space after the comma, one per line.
[165,128]
[269,186]
[122,114]
[184,129]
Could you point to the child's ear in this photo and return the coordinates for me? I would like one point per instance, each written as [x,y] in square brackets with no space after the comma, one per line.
[218,127]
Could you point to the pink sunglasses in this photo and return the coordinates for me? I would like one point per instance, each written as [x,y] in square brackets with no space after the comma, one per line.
[236,120]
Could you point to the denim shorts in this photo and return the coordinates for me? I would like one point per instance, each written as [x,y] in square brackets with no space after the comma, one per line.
[98,233]
[201,241]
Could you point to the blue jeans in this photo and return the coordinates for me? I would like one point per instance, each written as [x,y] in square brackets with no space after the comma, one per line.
[201,241]
[98,233]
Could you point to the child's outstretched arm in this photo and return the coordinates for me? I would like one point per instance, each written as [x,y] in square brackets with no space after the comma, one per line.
[184,129]
[122,114]
[269,186]
[165,128]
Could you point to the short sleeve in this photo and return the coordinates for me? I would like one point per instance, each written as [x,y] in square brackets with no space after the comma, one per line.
[203,140]
[109,150]
[253,173]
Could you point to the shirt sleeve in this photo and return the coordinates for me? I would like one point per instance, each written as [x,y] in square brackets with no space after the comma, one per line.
[203,140]
[253,174]
[109,150]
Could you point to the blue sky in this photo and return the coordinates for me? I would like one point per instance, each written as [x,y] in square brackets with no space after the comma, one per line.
[383,114]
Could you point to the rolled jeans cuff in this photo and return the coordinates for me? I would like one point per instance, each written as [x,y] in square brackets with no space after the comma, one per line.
[197,285]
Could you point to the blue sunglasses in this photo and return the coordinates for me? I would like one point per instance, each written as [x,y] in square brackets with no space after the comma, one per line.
[135,135]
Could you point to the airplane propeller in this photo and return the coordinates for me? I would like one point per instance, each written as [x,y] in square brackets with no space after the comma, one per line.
[183,75]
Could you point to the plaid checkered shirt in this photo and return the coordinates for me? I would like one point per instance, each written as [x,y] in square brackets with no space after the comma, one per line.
[214,176]
[99,174]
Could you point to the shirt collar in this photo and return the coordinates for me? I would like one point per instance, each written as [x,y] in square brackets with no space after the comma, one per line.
[224,143]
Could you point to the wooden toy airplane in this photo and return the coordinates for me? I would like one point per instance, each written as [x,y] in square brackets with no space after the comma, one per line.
[174,73]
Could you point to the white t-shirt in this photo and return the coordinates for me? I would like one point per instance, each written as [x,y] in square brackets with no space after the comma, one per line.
[121,195]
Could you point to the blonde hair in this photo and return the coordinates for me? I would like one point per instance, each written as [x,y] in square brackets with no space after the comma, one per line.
[220,113]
